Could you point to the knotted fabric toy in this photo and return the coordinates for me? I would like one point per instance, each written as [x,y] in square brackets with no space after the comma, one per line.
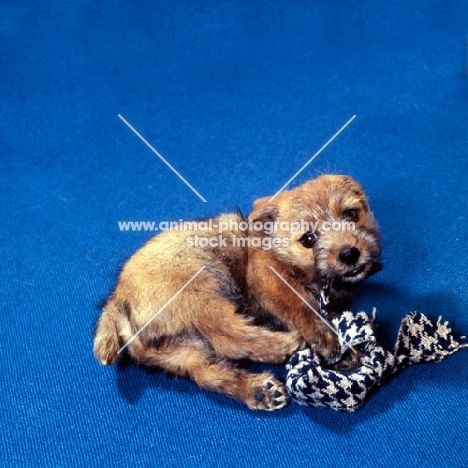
[419,340]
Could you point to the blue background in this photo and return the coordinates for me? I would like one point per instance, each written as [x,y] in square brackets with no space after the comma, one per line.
[237,95]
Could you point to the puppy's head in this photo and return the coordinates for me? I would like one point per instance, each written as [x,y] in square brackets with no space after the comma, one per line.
[324,227]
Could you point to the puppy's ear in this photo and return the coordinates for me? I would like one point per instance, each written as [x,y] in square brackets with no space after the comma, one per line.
[354,186]
[263,210]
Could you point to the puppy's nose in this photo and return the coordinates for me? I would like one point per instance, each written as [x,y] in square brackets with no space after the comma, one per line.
[349,255]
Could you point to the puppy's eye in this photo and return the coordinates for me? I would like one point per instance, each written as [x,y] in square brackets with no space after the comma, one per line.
[309,239]
[350,214]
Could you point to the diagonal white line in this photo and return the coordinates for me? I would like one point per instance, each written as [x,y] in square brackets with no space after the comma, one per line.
[160,157]
[312,158]
[306,303]
[160,310]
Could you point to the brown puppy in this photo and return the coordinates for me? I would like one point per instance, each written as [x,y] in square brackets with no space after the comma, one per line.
[237,307]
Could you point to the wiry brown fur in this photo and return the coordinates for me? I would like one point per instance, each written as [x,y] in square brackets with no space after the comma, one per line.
[237,307]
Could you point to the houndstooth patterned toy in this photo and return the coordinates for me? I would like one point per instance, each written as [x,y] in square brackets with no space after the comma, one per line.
[419,340]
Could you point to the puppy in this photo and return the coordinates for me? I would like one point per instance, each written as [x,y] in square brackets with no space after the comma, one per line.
[244,302]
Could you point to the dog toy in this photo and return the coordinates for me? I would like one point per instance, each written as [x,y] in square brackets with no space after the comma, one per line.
[309,382]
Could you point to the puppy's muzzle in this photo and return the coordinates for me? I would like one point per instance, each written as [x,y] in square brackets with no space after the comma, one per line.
[349,255]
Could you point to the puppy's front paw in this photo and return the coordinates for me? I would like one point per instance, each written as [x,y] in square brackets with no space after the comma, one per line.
[351,359]
[280,347]
[296,343]
[327,345]
[288,345]
[267,393]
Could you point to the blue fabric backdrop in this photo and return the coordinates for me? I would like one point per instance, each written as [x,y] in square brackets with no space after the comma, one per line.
[237,95]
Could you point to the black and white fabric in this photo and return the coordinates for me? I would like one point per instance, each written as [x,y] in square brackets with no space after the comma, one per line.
[324,299]
[311,383]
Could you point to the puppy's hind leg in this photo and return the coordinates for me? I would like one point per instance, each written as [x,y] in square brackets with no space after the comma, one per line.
[194,360]
[234,337]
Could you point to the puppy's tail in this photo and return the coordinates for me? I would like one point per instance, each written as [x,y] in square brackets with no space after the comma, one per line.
[106,337]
